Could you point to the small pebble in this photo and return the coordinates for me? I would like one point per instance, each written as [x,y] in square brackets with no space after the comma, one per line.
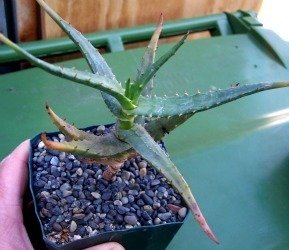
[77,187]
[54,171]
[76,237]
[41,145]
[157,221]
[102,216]
[156,205]
[45,194]
[106,195]
[71,157]
[133,192]
[173,208]
[61,137]
[162,210]
[182,212]
[96,195]
[122,209]
[66,193]
[54,161]
[70,199]
[60,218]
[65,187]
[147,200]
[88,217]
[147,208]
[117,203]
[100,129]
[57,227]
[79,171]
[146,216]
[142,164]
[124,200]
[45,212]
[150,193]
[164,216]
[56,210]
[143,172]
[89,171]
[130,219]
[78,216]
[105,208]
[155,182]
[47,158]
[40,183]
[125,175]
[130,198]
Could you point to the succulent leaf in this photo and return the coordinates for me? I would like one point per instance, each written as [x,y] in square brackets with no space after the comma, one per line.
[152,69]
[149,58]
[150,150]
[92,80]
[70,132]
[103,149]
[181,105]
[159,127]
[91,54]
[94,59]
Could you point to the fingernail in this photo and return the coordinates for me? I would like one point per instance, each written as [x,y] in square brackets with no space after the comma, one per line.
[5,159]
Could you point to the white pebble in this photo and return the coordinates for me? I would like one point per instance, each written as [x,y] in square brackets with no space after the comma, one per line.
[79,171]
[61,137]
[100,129]
[182,212]
[96,195]
[41,145]
[62,156]
[73,226]
[76,237]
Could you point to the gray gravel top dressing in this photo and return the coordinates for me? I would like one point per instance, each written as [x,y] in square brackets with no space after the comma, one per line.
[74,201]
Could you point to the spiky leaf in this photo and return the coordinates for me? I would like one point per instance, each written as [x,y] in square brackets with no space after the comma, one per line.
[93,57]
[144,144]
[103,149]
[70,131]
[149,58]
[92,80]
[159,127]
[181,105]
[152,69]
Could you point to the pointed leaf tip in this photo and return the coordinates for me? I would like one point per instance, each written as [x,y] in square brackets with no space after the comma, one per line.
[47,106]
[150,150]
[202,221]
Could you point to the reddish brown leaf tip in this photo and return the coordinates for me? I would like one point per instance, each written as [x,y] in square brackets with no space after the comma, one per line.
[161,19]
[44,138]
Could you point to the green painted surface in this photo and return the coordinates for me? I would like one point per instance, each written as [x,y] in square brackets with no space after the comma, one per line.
[235,157]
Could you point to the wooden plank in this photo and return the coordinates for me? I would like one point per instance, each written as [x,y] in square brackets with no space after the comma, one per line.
[26,16]
[96,15]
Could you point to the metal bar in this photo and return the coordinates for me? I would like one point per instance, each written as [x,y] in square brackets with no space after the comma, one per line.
[126,35]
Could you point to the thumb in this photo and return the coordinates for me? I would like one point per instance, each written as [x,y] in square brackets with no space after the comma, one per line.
[13,175]
[107,246]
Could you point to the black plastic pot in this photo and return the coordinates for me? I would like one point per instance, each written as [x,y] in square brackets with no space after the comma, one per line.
[145,237]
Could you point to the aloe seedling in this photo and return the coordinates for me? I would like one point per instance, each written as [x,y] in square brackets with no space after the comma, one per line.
[141,119]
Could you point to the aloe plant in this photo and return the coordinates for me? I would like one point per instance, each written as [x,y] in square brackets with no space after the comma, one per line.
[141,119]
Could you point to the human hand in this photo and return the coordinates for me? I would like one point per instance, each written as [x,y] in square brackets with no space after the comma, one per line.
[13,179]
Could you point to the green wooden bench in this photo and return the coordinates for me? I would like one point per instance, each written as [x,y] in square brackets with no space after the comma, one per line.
[235,157]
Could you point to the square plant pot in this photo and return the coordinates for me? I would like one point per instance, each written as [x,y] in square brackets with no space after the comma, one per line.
[76,208]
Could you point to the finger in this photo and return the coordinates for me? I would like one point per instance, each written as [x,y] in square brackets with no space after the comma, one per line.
[107,246]
[13,175]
